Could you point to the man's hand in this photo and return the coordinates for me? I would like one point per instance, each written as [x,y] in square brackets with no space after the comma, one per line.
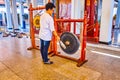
[58,38]
[55,34]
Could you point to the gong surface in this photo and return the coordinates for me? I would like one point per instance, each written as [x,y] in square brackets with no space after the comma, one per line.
[36,21]
[71,42]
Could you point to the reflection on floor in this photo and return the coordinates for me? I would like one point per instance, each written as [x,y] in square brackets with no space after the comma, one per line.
[17,63]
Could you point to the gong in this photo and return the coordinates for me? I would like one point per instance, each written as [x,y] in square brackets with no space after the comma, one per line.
[36,21]
[71,42]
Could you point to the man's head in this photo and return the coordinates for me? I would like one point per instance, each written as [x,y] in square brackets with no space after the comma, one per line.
[50,8]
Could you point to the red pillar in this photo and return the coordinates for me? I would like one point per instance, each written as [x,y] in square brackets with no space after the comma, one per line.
[92,11]
[32,33]
[92,16]
[85,5]
[54,38]
[82,59]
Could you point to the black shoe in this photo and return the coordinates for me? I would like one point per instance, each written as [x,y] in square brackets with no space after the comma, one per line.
[48,59]
[48,62]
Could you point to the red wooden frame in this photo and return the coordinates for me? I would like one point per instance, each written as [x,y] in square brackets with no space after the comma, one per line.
[32,33]
[83,35]
[53,48]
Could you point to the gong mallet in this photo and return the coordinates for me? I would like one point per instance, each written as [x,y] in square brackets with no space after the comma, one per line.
[62,44]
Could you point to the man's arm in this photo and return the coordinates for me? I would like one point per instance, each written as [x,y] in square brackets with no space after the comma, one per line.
[55,34]
[53,29]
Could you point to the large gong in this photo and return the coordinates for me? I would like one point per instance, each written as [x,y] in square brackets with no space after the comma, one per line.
[71,42]
[36,21]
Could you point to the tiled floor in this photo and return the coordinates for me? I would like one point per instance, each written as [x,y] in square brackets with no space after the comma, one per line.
[17,63]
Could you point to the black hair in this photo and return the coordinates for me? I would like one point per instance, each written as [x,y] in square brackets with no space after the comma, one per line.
[49,6]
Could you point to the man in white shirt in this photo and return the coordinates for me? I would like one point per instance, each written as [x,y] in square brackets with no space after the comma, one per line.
[46,31]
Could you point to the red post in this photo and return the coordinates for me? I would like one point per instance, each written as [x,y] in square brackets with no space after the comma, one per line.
[86,5]
[74,27]
[92,16]
[96,32]
[69,26]
[82,59]
[54,38]
[31,28]
[83,51]
[97,29]
[63,28]
[92,11]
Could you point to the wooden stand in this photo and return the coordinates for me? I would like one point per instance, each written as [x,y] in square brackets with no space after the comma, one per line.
[83,35]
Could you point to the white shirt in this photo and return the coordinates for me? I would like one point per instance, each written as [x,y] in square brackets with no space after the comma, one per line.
[46,27]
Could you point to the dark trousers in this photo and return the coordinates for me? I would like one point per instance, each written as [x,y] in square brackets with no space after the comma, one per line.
[44,49]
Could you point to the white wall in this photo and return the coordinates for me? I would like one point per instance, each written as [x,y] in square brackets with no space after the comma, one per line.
[106,21]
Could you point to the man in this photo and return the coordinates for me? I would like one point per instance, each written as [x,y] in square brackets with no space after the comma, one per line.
[46,31]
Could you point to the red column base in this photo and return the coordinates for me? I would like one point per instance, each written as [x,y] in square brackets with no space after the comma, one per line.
[80,63]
